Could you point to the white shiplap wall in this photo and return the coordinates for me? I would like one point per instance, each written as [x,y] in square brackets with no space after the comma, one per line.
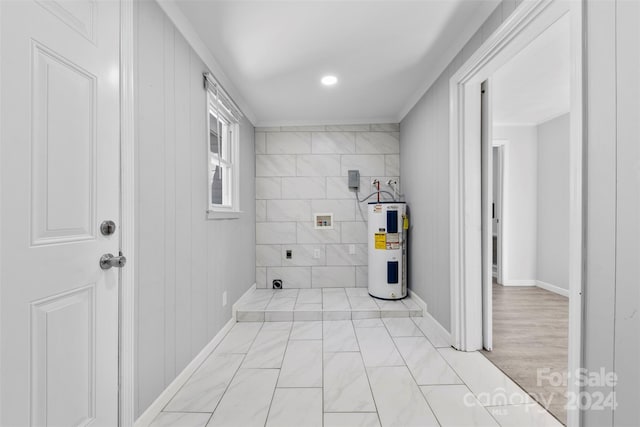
[611,291]
[303,170]
[185,262]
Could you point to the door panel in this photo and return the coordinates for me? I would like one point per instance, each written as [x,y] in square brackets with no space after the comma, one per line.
[63,192]
[59,179]
[63,370]
[78,15]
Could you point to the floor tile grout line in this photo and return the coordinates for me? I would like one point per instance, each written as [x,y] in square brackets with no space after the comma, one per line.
[227,387]
[197,369]
[275,387]
[412,376]
[426,336]
[457,373]
[366,373]
[476,396]
[253,341]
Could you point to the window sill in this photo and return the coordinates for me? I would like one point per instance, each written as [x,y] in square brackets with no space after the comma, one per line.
[214,215]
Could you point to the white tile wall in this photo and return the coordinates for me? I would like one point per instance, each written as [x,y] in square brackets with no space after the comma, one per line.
[378,143]
[318,165]
[351,128]
[341,254]
[362,276]
[301,170]
[288,210]
[343,210]
[333,142]
[294,277]
[268,188]
[354,232]
[304,255]
[392,165]
[283,165]
[367,164]
[288,142]
[304,188]
[261,147]
[275,232]
[307,233]
[268,255]
[337,277]
[261,210]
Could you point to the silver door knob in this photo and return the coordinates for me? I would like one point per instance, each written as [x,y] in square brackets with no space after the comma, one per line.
[109,260]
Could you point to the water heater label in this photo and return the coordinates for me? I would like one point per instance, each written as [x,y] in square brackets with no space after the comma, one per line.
[393,241]
[381,240]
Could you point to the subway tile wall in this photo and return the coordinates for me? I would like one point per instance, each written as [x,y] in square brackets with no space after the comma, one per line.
[302,170]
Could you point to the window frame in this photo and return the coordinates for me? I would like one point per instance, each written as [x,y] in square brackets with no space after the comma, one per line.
[231,210]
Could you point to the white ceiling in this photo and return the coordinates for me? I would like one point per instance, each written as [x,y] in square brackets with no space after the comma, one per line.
[535,85]
[385,53]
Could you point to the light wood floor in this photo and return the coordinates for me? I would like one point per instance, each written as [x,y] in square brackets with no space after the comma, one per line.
[530,332]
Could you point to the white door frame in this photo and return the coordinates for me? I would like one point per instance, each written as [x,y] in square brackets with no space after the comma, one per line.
[528,20]
[126,414]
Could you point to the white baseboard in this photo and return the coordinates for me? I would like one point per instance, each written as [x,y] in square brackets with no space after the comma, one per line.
[552,288]
[234,307]
[156,407]
[418,300]
[435,326]
[525,282]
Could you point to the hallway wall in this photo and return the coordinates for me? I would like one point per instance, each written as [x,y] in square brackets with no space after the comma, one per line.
[424,166]
[536,204]
[185,262]
[519,218]
[552,206]
[302,170]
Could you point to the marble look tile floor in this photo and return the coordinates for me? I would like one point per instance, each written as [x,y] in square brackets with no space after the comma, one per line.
[363,372]
[285,305]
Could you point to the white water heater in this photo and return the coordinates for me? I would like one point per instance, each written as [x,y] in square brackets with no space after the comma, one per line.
[388,226]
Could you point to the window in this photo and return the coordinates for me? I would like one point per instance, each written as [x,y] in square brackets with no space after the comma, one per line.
[223,149]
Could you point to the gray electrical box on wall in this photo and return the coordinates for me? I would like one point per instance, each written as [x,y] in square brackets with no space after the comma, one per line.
[354,180]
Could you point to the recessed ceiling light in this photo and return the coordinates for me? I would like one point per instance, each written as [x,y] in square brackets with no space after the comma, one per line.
[329,80]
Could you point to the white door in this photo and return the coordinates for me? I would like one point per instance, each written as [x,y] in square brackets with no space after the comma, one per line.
[59,165]
[487,234]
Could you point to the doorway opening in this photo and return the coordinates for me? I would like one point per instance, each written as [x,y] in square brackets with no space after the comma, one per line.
[529,112]
[475,219]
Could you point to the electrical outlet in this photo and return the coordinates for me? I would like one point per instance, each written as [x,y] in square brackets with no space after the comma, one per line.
[289,253]
[224,299]
[352,249]
[316,253]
